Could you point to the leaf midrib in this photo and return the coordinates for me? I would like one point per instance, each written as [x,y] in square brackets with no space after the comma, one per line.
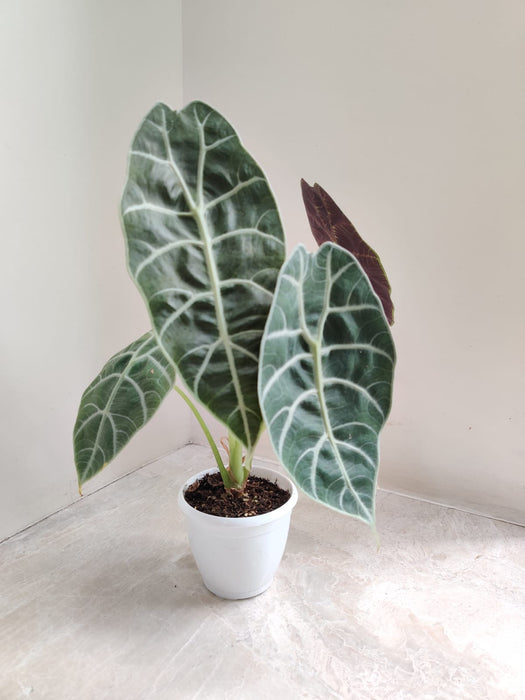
[198,209]
[315,344]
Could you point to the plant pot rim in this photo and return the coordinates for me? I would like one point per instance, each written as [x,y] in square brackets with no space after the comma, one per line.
[283,480]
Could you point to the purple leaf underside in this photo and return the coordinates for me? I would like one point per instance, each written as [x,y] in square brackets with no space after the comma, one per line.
[329,223]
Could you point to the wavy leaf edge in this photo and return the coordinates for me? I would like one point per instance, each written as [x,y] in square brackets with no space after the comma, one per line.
[288,421]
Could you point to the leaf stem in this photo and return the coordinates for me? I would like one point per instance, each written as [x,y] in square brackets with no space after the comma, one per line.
[228,483]
[236,460]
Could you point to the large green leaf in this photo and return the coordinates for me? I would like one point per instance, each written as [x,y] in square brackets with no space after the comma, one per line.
[205,245]
[116,404]
[326,377]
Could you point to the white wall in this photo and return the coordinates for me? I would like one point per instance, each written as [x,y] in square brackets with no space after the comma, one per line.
[411,114]
[77,76]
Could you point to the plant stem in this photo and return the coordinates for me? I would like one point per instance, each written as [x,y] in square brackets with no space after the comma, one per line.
[228,483]
[236,466]
[249,454]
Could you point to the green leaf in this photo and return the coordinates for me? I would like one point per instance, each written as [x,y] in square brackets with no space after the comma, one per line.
[116,404]
[329,223]
[326,378]
[205,245]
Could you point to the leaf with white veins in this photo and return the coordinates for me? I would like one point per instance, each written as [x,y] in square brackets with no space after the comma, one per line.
[118,402]
[205,245]
[326,378]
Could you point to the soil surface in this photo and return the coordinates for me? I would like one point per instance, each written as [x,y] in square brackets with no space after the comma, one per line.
[259,496]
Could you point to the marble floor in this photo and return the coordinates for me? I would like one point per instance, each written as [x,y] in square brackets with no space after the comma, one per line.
[103,600]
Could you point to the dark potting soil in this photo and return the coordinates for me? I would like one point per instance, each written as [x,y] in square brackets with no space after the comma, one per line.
[259,496]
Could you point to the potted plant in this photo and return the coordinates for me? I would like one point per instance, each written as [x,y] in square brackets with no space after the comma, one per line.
[299,346]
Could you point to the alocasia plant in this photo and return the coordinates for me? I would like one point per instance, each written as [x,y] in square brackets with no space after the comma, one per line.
[301,346]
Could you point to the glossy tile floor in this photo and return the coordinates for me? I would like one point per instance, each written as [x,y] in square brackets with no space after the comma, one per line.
[103,600]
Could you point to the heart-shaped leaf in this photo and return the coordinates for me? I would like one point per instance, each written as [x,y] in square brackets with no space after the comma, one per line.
[326,378]
[205,245]
[122,398]
[329,223]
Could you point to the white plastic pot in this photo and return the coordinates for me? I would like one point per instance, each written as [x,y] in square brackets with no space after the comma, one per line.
[238,557]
